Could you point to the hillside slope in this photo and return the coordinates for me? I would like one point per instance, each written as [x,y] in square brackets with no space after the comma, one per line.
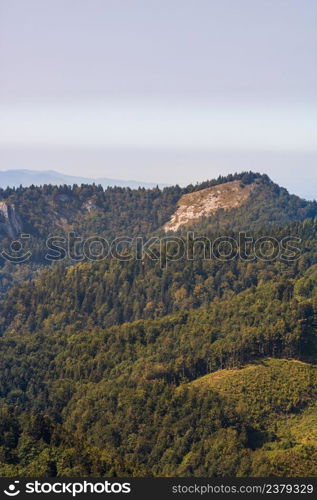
[147,398]
[111,291]
[197,367]
[69,415]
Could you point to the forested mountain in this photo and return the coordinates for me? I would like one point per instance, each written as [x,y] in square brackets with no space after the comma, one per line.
[85,211]
[113,212]
[168,367]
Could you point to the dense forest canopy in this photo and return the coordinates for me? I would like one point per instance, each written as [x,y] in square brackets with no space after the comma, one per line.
[201,367]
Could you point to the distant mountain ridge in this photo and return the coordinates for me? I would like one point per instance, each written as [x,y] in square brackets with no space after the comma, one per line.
[25,177]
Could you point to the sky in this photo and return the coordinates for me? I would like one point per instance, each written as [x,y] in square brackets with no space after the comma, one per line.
[169,91]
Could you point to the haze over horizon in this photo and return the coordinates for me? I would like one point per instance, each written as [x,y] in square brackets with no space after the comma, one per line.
[94,89]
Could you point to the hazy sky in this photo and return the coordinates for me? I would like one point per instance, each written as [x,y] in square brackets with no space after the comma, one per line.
[160,90]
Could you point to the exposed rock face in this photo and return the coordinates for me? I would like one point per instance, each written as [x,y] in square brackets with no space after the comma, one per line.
[206,202]
[90,206]
[10,221]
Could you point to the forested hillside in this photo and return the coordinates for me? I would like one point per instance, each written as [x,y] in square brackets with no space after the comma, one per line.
[86,211]
[115,291]
[193,367]
[117,401]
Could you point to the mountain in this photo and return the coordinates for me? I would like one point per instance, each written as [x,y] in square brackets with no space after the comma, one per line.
[239,201]
[156,363]
[247,202]
[16,178]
